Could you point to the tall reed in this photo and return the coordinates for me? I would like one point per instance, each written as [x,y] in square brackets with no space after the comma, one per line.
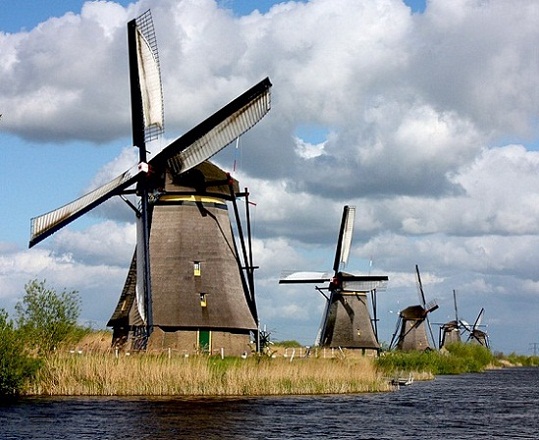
[150,375]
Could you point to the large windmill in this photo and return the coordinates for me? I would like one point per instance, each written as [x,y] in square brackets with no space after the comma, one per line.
[450,331]
[413,324]
[346,322]
[475,335]
[189,286]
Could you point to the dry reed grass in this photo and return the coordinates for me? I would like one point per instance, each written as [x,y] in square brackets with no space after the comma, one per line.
[99,374]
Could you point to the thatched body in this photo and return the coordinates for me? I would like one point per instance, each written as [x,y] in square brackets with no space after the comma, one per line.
[479,337]
[413,330]
[348,323]
[450,333]
[196,280]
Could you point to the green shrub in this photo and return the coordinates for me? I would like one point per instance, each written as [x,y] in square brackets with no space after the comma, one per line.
[16,367]
[521,360]
[288,344]
[45,318]
[458,358]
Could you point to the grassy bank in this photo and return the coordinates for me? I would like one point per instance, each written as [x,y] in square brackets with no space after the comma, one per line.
[105,374]
[93,369]
[456,359]
[517,360]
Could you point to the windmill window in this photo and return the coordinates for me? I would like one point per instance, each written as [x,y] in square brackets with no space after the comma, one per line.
[203,300]
[196,268]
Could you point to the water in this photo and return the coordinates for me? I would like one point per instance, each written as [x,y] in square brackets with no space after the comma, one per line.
[502,404]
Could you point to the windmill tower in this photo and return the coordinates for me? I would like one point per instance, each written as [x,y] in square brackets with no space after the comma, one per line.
[476,335]
[346,322]
[450,331]
[189,286]
[413,324]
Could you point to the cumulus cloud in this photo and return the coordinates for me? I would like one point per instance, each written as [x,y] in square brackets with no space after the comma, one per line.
[97,284]
[427,123]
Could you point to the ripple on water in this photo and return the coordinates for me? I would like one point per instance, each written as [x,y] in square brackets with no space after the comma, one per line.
[497,404]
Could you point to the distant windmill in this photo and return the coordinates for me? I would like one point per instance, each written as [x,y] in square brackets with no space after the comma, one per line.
[188,285]
[475,335]
[413,324]
[450,331]
[346,322]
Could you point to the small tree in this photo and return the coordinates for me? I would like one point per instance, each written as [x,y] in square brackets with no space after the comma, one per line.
[15,365]
[46,318]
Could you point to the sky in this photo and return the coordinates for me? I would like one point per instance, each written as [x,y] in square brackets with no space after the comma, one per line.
[424,116]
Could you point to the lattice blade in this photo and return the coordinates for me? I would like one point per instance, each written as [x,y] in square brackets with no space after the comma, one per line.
[149,75]
[304,277]
[47,224]
[358,283]
[217,131]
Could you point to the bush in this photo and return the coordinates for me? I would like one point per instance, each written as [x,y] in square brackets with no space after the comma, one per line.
[16,367]
[459,358]
[45,318]
[288,344]
[522,360]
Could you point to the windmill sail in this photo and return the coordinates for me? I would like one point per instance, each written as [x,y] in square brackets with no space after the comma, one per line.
[345,237]
[150,83]
[47,224]
[216,132]
[307,277]
[147,106]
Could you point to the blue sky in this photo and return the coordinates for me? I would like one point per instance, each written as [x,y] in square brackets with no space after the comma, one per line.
[424,118]
[18,15]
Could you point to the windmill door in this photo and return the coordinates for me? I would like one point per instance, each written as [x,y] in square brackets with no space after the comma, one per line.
[204,341]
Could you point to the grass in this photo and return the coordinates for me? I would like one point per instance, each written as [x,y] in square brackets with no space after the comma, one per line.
[94,369]
[518,360]
[99,374]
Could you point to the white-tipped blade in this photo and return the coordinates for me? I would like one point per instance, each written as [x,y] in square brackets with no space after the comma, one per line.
[304,277]
[347,235]
[225,132]
[150,84]
[363,286]
[46,224]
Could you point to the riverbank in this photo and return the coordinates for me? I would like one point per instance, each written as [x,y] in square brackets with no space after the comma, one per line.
[94,369]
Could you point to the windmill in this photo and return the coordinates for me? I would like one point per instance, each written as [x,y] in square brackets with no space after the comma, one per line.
[450,331]
[475,335]
[413,322]
[346,322]
[188,285]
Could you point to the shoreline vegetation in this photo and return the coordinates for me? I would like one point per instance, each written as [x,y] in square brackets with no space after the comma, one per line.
[94,369]
[150,375]
[45,353]
[98,371]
